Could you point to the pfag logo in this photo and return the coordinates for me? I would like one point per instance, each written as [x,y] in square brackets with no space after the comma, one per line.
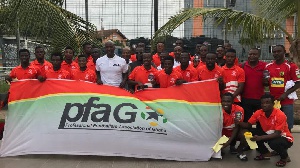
[154,117]
[96,115]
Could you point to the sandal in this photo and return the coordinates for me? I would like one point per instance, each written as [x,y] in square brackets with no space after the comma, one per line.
[281,163]
[242,157]
[261,157]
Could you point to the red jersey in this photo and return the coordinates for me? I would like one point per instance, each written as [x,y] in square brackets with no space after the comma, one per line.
[60,74]
[91,65]
[45,67]
[228,119]
[279,75]
[69,67]
[277,121]
[165,80]
[133,57]
[87,75]
[31,72]
[189,74]
[205,74]
[140,74]
[232,77]
[253,88]
[156,59]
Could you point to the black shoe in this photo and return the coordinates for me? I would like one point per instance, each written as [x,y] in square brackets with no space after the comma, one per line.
[246,148]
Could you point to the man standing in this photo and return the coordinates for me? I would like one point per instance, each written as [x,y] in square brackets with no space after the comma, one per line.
[160,47]
[139,59]
[168,76]
[211,71]
[68,64]
[126,55]
[56,72]
[143,75]
[25,70]
[111,69]
[40,61]
[234,76]
[279,73]
[253,88]
[188,72]
[177,53]
[83,73]
[179,43]
[220,57]
[203,53]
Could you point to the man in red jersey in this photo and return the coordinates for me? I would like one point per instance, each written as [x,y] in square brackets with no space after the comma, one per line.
[274,131]
[142,76]
[25,70]
[83,73]
[234,76]
[211,71]
[40,61]
[178,43]
[279,73]
[232,112]
[68,64]
[253,88]
[188,72]
[56,72]
[220,57]
[168,76]
[160,47]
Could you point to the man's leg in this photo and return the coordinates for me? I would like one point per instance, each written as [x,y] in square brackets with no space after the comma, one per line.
[289,112]
[281,146]
[262,149]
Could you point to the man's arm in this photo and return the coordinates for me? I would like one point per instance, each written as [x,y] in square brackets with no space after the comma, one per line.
[289,91]
[234,134]
[276,134]
[99,81]
[124,80]
[239,90]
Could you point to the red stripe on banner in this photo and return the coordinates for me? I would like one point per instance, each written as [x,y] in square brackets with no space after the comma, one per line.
[206,91]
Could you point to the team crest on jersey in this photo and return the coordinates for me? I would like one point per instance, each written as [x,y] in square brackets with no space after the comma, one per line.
[172,80]
[59,76]
[188,74]
[233,73]
[216,75]
[87,76]
[281,73]
[30,71]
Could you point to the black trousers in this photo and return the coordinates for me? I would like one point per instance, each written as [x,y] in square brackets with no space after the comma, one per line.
[250,106]
[280,144]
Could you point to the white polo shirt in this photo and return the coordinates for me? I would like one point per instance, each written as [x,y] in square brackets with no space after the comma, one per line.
[111,69]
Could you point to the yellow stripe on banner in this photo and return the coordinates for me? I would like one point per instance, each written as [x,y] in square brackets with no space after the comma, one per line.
[182,101]
[71,94]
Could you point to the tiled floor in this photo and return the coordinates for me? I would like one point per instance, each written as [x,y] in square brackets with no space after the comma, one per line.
[66,161]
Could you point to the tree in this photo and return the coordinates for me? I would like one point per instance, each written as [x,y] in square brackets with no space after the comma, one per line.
[270,16]
[45,21]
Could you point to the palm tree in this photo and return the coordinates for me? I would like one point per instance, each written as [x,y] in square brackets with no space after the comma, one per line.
[270,16]
[46,21]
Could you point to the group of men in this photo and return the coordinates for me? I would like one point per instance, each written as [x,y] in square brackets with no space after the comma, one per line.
[241,86]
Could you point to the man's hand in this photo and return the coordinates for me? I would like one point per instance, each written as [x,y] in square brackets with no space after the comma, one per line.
[282,97]
[224,145]
[140,85]
[236,122]
[256,138]
[41,78]
[122,84]
[179,82]
[8,79]
[99,82]
[220,79]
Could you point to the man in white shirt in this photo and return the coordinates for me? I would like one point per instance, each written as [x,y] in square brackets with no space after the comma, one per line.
[111,69]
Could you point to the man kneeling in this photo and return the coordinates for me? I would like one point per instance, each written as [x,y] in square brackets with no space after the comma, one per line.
[231,114]
[274,131]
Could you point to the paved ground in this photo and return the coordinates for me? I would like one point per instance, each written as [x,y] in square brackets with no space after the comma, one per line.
[66,161]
